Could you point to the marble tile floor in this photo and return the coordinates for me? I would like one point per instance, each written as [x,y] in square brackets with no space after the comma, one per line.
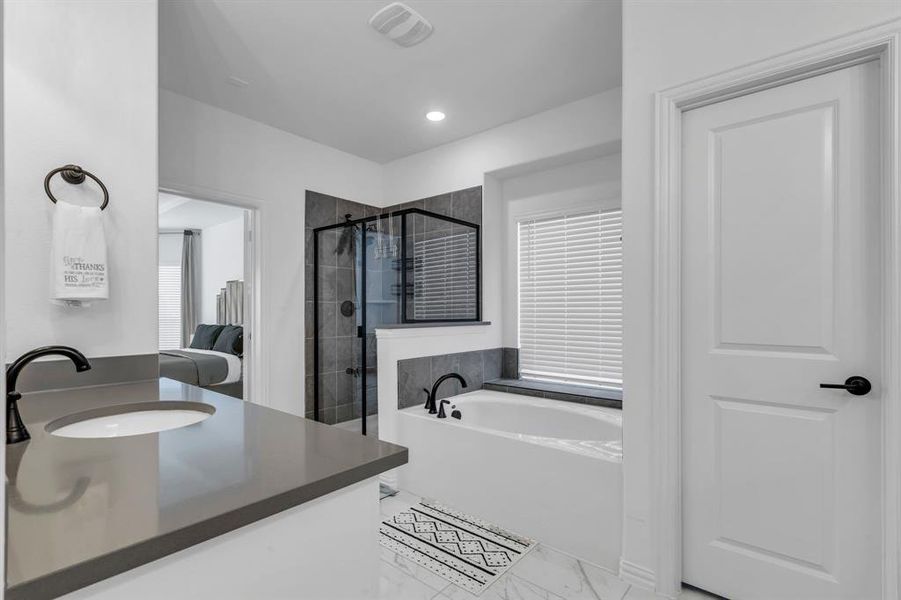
[543,574]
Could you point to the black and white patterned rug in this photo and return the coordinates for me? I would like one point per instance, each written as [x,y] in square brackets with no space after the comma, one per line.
[466,551]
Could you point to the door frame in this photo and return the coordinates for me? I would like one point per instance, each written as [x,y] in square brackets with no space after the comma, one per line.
[256,374]
[882,43]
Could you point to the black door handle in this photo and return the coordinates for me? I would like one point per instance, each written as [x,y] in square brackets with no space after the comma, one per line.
[857,385]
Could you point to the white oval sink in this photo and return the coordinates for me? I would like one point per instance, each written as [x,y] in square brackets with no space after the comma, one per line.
[130,419]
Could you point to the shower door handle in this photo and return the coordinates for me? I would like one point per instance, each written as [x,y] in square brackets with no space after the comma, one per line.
[856,385]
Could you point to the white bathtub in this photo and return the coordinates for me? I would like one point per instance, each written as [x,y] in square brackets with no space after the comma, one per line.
[547,469]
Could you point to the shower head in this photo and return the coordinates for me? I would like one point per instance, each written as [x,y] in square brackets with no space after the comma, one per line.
[346,239]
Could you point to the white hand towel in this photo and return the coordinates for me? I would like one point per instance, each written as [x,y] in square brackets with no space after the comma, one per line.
[78,265]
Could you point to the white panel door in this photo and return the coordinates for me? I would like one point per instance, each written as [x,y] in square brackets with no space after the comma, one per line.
[781,292]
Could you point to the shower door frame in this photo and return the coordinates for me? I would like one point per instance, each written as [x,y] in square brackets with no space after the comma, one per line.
[403,291]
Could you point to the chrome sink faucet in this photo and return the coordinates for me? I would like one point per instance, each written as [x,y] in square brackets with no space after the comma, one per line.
[15,428]
[431,403]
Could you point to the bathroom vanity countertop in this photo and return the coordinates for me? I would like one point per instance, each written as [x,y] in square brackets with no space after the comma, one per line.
[82,510]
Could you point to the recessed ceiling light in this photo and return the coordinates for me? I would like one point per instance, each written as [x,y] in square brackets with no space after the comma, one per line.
[435,115]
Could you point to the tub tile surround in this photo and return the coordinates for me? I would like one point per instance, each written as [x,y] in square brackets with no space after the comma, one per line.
[554,391]
[543,574]
[510,369]
[416,374]
[339,392]
[496,369]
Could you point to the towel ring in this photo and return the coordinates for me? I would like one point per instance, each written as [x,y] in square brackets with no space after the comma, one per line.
[75,175]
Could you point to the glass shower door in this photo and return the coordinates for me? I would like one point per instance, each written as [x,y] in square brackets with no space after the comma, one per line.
[382,301]
[338,317]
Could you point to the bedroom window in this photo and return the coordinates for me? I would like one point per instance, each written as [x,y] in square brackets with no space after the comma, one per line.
[170,291]
[571,298]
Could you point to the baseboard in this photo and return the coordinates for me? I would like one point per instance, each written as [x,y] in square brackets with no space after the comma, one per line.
[637,575]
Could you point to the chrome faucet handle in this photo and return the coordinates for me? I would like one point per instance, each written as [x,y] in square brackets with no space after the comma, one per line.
[441,413]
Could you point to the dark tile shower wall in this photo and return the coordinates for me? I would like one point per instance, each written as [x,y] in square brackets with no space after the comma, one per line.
[339,347]
[339,344]
[416,374]
[465,205]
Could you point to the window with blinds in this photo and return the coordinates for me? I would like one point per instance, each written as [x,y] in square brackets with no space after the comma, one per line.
[571,299]
[444,277]
[170,291]
[170,307]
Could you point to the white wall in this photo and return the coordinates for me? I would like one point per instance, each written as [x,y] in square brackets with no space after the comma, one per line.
[667,44]
[81,87]
[2,315]
[576,126]
[216,155]
[221,260]
[581,186]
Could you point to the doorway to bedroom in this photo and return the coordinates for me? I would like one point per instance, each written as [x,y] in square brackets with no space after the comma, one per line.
[205,279]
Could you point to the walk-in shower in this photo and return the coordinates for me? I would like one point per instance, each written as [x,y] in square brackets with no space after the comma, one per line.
[402,268]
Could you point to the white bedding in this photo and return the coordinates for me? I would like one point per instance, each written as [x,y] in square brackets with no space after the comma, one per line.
[234,364]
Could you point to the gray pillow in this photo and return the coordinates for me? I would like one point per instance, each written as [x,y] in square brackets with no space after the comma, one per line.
[231,340]
[205,336]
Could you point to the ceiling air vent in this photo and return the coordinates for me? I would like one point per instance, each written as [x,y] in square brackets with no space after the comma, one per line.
[401,24]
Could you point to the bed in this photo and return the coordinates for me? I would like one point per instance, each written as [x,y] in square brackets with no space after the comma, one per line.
[213,361]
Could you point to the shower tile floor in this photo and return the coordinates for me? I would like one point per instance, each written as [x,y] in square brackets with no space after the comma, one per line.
[542,574]
[372,425]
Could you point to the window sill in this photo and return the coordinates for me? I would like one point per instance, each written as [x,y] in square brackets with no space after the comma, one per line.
[559,391]
[426,324]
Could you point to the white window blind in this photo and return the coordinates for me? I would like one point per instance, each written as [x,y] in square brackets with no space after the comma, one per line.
[170,291]
[571,298]
[444,277]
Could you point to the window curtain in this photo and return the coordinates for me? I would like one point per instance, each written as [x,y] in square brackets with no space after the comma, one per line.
[190,285]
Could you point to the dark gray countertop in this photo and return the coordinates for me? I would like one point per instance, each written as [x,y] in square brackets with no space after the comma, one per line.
[82,510]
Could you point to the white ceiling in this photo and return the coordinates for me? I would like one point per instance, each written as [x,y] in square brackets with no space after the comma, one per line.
[184,213]
[315,67]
